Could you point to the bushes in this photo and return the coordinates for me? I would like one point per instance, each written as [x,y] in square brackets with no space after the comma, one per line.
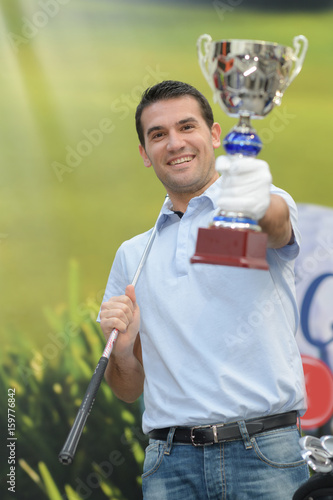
[49,386]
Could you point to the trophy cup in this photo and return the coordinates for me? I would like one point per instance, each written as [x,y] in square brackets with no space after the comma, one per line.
[248,78]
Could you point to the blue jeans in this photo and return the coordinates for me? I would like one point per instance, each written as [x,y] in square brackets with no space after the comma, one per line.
[266,466]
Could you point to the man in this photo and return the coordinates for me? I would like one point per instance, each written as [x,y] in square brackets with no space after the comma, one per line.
[211,347]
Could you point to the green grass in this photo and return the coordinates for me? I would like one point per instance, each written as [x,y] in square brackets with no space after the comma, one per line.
[49,384]
[89,63]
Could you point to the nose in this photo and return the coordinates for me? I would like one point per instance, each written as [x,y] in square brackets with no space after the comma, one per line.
[175,141]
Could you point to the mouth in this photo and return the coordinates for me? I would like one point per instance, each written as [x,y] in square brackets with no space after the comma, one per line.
[180,160]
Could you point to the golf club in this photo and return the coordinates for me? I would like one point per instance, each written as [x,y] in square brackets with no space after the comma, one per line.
[327,444]
[315,446]
[67,453]
[316,461]
[310,443]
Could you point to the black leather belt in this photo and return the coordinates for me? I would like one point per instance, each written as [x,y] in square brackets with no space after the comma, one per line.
[210,434]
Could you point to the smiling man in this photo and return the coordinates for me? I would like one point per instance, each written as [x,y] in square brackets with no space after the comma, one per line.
[180,147]
[212,348]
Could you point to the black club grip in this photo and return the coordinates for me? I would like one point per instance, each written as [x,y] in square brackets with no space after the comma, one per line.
[68,451]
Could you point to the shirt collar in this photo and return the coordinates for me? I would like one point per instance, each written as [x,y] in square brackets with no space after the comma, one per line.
[211,194]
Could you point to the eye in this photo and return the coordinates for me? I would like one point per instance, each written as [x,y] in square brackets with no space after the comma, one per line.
[188,127]
[157,135]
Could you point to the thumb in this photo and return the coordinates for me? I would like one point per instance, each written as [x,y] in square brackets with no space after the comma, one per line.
[130,292]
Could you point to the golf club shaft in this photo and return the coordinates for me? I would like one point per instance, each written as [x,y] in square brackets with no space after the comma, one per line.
[67,453]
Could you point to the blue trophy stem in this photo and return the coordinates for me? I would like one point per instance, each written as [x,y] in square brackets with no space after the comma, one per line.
[242,139]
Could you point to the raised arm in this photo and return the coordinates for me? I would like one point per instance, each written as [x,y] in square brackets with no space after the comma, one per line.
[124,373]
[276,223]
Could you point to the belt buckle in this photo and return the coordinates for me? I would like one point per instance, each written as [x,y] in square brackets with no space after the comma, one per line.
[214,429]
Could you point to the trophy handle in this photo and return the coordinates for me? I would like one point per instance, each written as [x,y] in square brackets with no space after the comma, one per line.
[299,55]
[203,45]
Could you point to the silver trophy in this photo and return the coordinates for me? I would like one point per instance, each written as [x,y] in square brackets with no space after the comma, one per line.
[248,78]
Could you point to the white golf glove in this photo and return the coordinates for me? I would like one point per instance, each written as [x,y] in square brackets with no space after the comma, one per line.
[245,185]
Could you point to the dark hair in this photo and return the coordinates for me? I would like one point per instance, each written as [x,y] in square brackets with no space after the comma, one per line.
[170,89]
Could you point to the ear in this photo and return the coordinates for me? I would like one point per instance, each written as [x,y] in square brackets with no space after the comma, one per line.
[146,160]
[216,135]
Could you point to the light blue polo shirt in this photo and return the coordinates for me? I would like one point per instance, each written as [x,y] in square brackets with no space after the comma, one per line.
[218,342]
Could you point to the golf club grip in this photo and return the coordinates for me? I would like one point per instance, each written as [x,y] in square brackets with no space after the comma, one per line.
[68,451]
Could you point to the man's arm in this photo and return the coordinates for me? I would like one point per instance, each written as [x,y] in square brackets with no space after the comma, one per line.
[276,223]
[124,373]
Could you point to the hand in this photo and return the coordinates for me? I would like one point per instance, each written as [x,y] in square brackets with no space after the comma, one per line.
[122,313]
[245,185]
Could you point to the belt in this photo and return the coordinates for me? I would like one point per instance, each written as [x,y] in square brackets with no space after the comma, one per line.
[218,433]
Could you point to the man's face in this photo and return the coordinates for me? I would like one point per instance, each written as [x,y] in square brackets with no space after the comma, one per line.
[179,145]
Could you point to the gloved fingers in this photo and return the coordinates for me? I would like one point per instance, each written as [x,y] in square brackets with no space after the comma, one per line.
[245,185]
[239,164]
[223,164]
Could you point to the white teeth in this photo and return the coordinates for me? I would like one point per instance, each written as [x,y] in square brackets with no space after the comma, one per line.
[181,160]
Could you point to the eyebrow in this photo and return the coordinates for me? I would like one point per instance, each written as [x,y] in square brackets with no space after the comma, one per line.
[190,119]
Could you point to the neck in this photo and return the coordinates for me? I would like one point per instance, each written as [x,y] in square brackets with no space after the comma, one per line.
[180,200]
[179,203]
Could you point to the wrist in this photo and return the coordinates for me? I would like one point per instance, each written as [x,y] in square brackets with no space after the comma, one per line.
[123,347]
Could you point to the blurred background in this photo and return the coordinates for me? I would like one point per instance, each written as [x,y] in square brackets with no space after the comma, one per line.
[73,187]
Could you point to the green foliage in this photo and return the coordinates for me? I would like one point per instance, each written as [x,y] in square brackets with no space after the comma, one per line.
[49,386]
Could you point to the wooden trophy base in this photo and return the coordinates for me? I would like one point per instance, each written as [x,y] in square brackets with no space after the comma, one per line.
[231,247]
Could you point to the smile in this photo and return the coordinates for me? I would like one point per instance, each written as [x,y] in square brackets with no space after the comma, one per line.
[180,160]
